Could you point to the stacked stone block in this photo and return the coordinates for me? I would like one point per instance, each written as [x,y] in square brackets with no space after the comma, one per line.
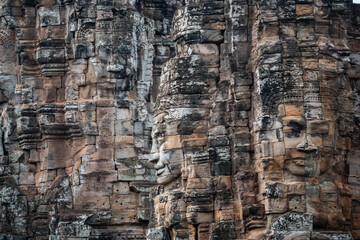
[81,111]
[154,119]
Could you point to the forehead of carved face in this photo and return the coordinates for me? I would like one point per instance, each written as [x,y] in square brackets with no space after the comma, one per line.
[166,152]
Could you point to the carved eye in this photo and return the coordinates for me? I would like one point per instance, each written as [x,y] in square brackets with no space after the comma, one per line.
[296,126]
[156,134]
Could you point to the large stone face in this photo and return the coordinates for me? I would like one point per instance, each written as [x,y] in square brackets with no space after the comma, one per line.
[199,120]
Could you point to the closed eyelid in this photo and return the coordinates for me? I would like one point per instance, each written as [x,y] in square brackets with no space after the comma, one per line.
[296,124]
[156,135]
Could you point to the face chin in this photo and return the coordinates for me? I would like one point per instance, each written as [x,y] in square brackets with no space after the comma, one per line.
[296,166]
[167,178]
[168,166]
[163,180]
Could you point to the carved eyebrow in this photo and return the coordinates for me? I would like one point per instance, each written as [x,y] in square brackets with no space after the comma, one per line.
[296,125]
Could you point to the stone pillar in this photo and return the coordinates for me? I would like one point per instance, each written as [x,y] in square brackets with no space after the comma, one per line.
[298,139]
[191,149]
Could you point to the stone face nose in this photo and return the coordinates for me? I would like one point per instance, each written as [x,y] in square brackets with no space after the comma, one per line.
[306,146]
[154,154]
[154,157]
[159,165]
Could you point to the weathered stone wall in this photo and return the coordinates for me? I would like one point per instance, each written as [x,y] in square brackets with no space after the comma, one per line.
[165,119]
[76,118]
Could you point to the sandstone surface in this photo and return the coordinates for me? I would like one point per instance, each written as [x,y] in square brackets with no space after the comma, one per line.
[179,119]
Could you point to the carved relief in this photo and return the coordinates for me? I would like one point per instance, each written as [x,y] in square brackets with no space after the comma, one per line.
[154,119]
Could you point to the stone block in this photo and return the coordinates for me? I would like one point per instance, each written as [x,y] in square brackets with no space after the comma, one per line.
[121,188]
[198,171]
[172,142]
[320,127]
[138,128]
[203,49]
[330,235]
[293,222]
[297,203]
[7,68]
[222,183]
[124,216]
[125,153]
[276,205]
[200,208]
[293,110]
[328,65]
[56,154]
[159,233]
[221,168]
[90,203]
[199,217]
[96,166]
[102,154]
[198,184]
[124,201]
[53,82]
[124,127]
[194,140]
[49,16]
[27,178]
[279,149]
[266,149]
[122,141]
[91,190]
[50,55]
[123,114]
[7,86]
[304,9]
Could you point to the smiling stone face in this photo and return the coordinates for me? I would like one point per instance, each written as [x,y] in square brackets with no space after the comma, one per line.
[303,149]
[166,153]
[299,145]
[309,146]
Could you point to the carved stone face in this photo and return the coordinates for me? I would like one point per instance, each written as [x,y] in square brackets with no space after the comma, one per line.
[309,146]
[311,152]
[299,145]
[301,139]
[166,153]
